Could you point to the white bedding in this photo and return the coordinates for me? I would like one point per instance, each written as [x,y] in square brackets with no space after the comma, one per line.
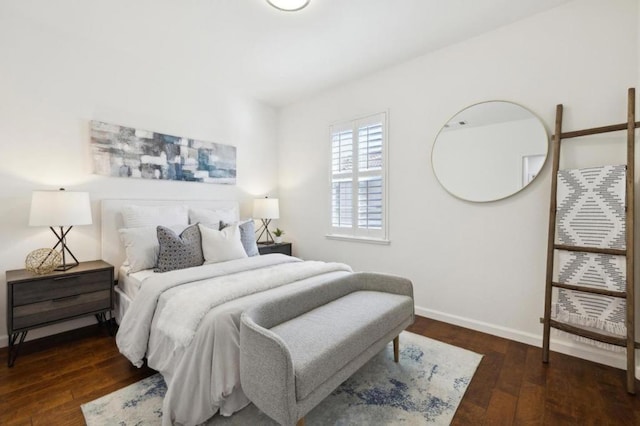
[129,282]
[200,356]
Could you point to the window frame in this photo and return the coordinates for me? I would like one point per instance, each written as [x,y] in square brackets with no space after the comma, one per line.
[354,232]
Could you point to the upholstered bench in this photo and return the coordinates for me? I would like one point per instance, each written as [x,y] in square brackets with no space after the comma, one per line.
[295,351]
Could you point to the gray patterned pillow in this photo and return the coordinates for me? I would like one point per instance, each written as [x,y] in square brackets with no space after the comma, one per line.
[179,251]
[247,236]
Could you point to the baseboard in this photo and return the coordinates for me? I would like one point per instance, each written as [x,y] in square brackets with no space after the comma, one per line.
[52,329]
[564,346]
[558,344]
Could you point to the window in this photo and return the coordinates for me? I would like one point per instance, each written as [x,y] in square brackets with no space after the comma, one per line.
[358,178]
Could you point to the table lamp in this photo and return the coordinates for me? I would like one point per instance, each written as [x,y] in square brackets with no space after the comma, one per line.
[265,209]
[60,209]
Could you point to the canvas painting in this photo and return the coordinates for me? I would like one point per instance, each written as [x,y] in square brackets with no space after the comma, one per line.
[121,151]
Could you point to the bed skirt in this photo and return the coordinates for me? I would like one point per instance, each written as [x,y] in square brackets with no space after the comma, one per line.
[121,304]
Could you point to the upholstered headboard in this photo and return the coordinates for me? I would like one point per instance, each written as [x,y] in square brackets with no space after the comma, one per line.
[113,249]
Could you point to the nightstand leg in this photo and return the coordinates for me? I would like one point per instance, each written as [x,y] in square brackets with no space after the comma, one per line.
[107,322]
[13,349]
[111,324]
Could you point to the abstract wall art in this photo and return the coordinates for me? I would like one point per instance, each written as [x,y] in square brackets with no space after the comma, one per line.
[121,151]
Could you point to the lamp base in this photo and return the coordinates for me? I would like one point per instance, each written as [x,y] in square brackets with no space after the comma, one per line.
[62,237]
[66,266]
[264,229]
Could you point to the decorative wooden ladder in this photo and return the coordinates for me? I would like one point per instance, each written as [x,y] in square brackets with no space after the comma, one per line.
[629,341]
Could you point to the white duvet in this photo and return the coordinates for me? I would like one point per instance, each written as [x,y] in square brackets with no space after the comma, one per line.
[186,323]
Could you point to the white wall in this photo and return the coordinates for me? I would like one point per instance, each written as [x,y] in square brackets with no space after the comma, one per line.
[478,265]
[52,84]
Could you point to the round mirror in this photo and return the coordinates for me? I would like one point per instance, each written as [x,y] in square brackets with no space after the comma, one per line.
[489,151]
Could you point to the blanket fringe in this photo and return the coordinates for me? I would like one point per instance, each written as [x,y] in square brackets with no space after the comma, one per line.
[618,329]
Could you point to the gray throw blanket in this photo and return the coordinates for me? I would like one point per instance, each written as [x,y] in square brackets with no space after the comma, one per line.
[591,213]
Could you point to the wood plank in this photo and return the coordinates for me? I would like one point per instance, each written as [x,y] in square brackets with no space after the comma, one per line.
[561,395]
[512,371]
[618,341]
[530,399]
[68,414]
[34,403]
[484,381]
[20,421]
[592,290]
[468,413]
[502,409]
[622,406]
[584,249]
[630,220]
[596,130]
[551,234]
[535,372]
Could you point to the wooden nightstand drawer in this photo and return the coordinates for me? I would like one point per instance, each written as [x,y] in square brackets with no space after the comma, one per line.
[283,248]
[61,287]
[60,308]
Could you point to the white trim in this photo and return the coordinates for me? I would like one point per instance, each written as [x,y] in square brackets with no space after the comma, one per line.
[564,346]
[617,360]
[356,238]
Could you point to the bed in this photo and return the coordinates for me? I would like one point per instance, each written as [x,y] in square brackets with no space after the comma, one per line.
[185,322]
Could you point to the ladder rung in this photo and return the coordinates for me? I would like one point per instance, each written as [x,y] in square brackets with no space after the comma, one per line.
[620,252]
[593,290]
[617,341]
[596,130]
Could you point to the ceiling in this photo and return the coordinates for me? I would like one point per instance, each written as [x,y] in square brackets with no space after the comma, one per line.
[277,57]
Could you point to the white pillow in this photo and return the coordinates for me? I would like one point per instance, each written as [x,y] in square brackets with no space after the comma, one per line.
[212,218]
[220,246]
[137,216]
[142,247]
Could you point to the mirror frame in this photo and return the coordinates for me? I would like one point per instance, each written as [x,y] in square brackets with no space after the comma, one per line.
[544,163]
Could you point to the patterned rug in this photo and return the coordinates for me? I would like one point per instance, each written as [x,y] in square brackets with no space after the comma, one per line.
[424,388]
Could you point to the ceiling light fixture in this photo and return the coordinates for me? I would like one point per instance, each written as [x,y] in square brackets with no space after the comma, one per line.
[289,5]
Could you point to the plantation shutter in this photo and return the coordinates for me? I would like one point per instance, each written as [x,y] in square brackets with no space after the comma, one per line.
[358,178]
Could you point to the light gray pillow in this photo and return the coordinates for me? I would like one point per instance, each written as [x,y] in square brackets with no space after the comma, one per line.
[247,236]
[179,251]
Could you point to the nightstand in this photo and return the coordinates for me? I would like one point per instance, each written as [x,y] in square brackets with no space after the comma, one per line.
[35,301]
[284,248]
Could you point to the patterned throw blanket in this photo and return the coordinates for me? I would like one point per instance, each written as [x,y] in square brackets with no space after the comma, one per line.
[591,212]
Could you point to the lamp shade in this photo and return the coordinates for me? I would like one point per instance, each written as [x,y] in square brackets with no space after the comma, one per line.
[266,208]
[60,208]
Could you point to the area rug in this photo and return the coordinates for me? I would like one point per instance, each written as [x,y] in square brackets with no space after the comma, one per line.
[424,388]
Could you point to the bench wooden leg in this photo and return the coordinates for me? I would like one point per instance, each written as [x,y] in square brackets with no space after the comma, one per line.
[396,348]
[300,422]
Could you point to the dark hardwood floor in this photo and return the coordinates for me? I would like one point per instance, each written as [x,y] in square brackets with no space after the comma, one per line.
[54,375]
